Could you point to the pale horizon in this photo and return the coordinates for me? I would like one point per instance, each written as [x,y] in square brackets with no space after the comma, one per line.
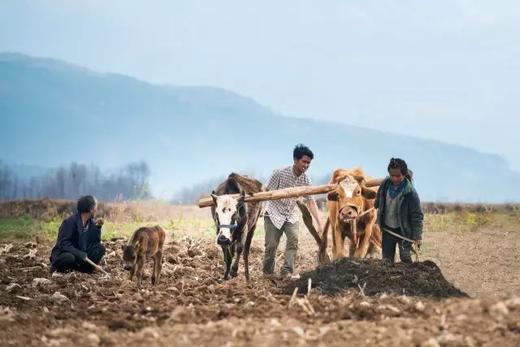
[445,71]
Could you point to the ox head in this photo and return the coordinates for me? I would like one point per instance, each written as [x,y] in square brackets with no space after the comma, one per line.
[350,195]
[226,215]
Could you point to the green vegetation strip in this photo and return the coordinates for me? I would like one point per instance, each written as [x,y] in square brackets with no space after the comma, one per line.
[25,228]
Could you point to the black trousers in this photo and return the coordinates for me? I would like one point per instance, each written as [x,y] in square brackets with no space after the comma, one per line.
[389,243]
[67,261]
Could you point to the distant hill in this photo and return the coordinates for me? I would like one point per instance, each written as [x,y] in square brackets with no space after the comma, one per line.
[53,113]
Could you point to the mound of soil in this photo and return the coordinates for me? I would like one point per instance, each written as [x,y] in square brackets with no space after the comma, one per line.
[374,277]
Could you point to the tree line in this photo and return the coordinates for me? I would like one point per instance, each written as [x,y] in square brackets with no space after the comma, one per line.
[130,182]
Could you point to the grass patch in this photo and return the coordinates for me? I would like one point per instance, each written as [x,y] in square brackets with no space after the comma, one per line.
[49,230]
[190,225]
[469,221]
[22,228]
[26,228]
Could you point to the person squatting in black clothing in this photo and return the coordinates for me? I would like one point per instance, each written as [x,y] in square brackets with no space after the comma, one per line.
[79,237]
[399,210]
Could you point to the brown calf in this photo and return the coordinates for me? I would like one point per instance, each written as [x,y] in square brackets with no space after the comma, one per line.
[146,242]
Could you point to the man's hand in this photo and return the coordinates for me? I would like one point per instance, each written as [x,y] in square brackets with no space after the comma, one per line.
[83,256]
[100,222]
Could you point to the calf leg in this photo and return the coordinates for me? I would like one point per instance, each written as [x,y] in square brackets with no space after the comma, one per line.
[139,270]
[154,272]
[158,266]
[132,272]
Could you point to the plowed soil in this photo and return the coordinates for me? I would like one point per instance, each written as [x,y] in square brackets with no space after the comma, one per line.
[350,302]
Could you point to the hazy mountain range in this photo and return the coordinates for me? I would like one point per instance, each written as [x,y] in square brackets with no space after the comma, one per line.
[53,113]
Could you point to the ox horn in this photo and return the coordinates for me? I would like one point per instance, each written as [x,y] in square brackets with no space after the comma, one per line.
[374,182]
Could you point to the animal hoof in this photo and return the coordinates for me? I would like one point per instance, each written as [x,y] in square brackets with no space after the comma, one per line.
[233,273]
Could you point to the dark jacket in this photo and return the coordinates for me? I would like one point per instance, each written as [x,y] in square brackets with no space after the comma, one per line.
[410,214]
[75,239]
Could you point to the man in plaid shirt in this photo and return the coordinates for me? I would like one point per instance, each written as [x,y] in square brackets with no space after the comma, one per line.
[282,216]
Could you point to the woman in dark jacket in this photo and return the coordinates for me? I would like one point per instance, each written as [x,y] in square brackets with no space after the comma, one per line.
[399,211]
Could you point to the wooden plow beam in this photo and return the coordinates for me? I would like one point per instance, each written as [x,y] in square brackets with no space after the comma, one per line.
[287,193]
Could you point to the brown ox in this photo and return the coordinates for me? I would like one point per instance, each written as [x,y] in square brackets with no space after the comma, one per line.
[351,215]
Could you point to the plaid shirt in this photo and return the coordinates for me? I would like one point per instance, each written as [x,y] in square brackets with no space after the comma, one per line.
[284,210]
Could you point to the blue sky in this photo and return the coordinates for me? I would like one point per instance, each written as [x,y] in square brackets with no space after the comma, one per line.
[446,70]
